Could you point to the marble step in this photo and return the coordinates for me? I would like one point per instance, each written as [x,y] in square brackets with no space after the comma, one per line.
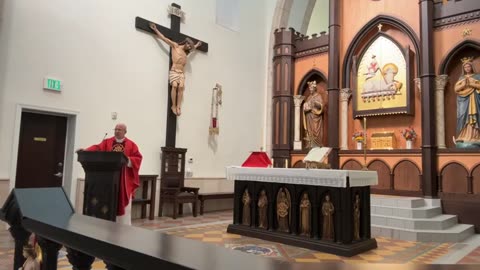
[403,212]
[397,201]
[454,234]
[439,222]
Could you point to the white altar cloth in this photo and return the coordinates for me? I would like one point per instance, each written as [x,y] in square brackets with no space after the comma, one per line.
[312,177]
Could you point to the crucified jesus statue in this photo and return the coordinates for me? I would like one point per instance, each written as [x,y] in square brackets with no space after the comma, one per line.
[176,77]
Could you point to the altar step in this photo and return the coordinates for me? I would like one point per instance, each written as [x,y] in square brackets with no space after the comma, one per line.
[415,219]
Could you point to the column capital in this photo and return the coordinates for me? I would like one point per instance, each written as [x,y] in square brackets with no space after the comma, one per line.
[297,99]
[418,84]
[440,82]
[345,94]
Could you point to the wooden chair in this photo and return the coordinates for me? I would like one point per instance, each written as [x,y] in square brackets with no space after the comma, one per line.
[145,182]
[172,189]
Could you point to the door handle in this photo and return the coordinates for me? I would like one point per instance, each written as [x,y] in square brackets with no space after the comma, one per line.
[59,174]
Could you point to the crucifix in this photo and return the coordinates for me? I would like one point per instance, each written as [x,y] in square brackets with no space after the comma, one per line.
[175,39]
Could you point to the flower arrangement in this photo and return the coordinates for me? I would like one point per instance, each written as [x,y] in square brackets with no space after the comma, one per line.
[358,136]
[409,134]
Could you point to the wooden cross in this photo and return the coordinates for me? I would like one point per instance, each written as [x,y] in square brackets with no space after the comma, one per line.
[174,34]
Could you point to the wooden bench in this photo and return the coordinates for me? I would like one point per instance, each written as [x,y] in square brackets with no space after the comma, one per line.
[145,179]
[213,196]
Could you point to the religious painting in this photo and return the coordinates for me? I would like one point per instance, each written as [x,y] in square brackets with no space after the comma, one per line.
[381,79]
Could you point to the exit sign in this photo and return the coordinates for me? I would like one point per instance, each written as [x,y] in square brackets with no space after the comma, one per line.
[52,84]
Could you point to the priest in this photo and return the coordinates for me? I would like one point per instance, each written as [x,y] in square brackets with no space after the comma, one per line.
[129,181]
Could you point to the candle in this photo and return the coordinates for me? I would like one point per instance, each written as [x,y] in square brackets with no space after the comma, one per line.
[365,144]
[286,163]
[365,128]
[273,164]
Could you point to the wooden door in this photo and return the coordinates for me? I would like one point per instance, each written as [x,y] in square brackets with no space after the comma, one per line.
[41,150]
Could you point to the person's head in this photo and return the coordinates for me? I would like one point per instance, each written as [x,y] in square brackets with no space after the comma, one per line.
[327,197]
[29,251]
[188,45]
[305,196]
[120,131]
[389,71]
[312,86]
[467,68]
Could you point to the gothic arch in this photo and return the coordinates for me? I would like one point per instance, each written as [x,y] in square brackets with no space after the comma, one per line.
[351,164]
[454,178]
[311,74]
[383,171]
[475,174]
[364,31]
[407,176]
[446,61]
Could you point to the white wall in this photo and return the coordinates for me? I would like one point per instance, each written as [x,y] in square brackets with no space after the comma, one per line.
[107,66]
[297,14]
[319,19]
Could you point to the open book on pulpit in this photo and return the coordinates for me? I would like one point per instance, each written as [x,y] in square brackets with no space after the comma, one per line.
[317,158]
[257,159]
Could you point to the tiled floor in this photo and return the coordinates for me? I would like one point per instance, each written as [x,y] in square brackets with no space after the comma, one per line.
[211,229]
[388,251]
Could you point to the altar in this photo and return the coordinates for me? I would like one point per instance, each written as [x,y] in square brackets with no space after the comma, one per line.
[324,210]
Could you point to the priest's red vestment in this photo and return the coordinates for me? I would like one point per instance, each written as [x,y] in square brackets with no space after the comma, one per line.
[129,180]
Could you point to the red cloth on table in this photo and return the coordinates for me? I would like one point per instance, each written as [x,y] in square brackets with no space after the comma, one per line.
[257,159]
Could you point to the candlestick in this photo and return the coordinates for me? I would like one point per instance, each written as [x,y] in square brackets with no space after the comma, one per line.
[365,168]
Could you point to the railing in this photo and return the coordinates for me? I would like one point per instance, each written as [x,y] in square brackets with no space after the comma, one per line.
[48,213]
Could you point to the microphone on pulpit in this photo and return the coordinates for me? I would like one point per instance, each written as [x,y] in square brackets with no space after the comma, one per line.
[104,136]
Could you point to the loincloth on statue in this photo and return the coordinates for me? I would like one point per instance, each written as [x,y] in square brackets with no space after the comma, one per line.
[176,76]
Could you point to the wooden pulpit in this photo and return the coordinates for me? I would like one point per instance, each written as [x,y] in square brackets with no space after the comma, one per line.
[102,182]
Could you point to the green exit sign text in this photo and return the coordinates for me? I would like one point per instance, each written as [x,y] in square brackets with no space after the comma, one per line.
[52,84]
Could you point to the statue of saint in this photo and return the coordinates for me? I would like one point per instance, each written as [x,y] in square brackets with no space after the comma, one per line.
[176,77]
[283,211]
[356,218]
[31,262]
[305,207]
[467,89]
[246,208]
[313,109]
[262,210]
[328,224]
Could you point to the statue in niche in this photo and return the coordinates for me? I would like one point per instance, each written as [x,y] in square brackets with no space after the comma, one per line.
[356,218]
[467,89]
[246,208]
[313,109]
[262,210]
[328,226]
[283,210]
[305,208]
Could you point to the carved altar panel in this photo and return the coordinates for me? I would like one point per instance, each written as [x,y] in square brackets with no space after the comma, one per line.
[383,140]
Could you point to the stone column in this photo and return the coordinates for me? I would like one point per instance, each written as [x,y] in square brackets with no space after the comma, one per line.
[345,94]
[297,143]
[440,83]
[333,82]
[427,75]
